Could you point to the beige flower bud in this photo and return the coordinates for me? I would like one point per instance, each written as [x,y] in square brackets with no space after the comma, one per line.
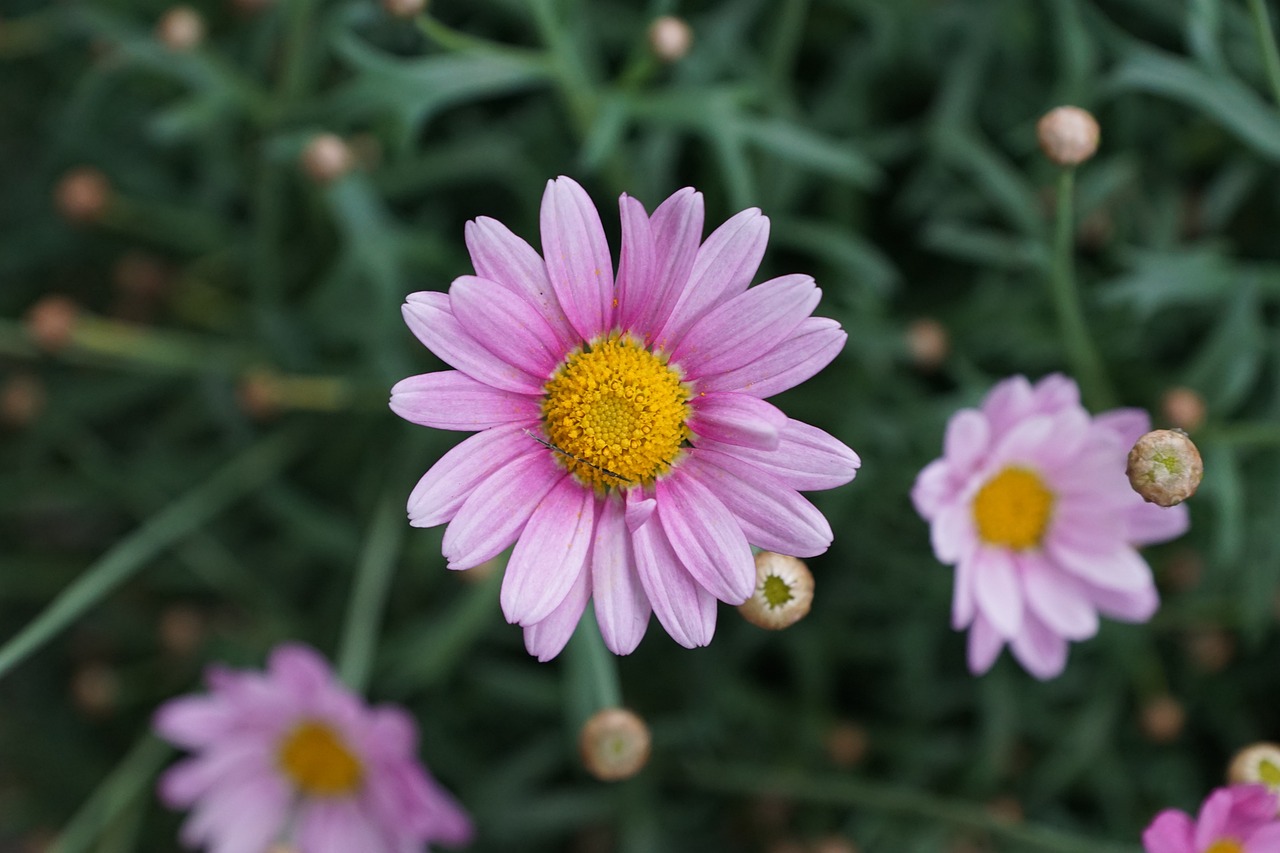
[1162,719]
[181,630]
[1256,764]
[670,38]
[834,844]
[95,690]
[51,321]
[404,8]
[326,158]
[181,28]
[82,195]
[614,744]
[1068,135]
[1183,408]
[1165,467]
[783,593]
[847,744]
[928,343]
[21,400]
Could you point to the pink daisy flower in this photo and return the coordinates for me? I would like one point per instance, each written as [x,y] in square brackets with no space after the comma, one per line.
[1030,503]
[1238,819]
[292,756]
[624,443]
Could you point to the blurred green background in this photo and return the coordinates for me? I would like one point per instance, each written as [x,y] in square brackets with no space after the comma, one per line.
[197,461]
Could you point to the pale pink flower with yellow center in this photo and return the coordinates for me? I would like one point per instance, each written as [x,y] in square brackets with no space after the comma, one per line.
[290,756]
[1031,504]
[1237,819]
[624,443]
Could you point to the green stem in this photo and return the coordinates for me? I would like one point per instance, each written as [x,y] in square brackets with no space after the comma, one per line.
[1241,435]
[189,513]
[373,580]
[592,673]
[125,784]
[788,35]
[1085,362]
[1267,42]
[298,42]
[848,792]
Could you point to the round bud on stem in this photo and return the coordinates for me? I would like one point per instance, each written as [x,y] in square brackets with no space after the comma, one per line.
[783,593]
[180,29]
[1256,764]
[928,343]
[326,158]
[1068,135]
[1165,467]
[51,322]
[614,744]
[21,400]
[670,38]
[1162,719]
[404,8]
[1183,408]
[82,195]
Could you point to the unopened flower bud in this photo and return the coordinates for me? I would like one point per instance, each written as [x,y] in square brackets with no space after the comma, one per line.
[141,275]
[1006,808]
[1210,649]
[181,630]
[404,8]
[846,744]
[1183,408]
[1068,135]
[670,38]
[21,400]
[783,593]
[95,690]
[180,29]
[326,158]
[928,343]
[1162,719]
[1165,467]
[259,394]
[614,744]
[82,195]
[51,322]
[1256,764]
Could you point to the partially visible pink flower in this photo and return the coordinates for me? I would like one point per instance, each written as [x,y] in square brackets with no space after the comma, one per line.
[1030,503]
[292,756]
[1238,819]
[623,442]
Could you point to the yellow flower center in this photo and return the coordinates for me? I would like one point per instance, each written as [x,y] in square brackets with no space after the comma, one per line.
[1269,773]
[318,762]
[1013,509]
[615,413]
[1225,845]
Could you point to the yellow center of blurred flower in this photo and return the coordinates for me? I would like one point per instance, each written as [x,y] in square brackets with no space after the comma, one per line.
[1225,845]
[615,413]
[1013,509]
[318,762]
[1269,773]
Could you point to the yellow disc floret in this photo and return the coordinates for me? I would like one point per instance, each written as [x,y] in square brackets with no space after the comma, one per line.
[1013,509]
[317,761]
[615,413]
[1225,845]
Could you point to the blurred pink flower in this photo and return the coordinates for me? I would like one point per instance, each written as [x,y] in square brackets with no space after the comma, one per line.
[624,444]
[1030,503]
[291,755]
[1238,819]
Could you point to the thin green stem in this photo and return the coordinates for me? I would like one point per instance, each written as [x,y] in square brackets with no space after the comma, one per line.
[1259,434]
[1267,43]
[373,580]
[788,35]
[130,780]
[299,41]
[1083,356]
[129,555]
[592,674]
[905,802]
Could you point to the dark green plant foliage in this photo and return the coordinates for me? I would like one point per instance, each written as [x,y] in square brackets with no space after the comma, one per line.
[892,146]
